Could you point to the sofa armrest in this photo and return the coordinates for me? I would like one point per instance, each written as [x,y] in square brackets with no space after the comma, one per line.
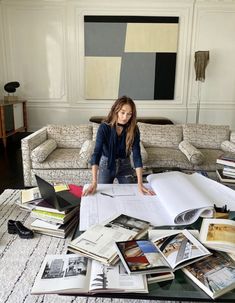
[27,145]
[228,146]
[232,136]
[192,153]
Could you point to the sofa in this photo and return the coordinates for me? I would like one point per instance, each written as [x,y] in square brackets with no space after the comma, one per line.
[61,153]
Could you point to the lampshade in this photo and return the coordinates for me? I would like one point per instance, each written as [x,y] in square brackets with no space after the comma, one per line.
[200,64]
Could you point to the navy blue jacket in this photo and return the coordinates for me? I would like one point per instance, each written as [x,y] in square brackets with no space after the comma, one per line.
[112,146]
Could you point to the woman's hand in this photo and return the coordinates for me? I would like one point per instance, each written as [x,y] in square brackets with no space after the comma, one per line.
[146,191]
[90,190]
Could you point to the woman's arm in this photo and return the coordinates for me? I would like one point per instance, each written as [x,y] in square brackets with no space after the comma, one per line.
[92,187]
[141,187]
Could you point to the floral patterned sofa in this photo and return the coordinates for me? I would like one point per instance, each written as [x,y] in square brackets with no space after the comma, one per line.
[61,153]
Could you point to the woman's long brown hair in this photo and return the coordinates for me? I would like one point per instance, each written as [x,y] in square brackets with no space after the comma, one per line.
[131,125]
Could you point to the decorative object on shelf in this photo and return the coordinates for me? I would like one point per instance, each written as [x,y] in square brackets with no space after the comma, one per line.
[10,88]
[200,64]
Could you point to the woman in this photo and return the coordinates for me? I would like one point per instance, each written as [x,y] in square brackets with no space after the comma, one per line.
[116,137]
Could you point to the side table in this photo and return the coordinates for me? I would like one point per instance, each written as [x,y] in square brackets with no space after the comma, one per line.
[13,118]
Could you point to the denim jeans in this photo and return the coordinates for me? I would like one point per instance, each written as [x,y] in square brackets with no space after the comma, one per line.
[124,172]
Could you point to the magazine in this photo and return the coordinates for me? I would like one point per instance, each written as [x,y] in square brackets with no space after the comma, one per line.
[31,194]
[215,274]
[180,199]
[98,241]
[75,274]
[167,253]
[218,234]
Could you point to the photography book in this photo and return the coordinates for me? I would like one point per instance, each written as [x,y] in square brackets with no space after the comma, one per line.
[218,234]
[31,194]
[167,253]
[75,274]
[180,200]
[52,229]
[225,178]
[215,274]
[227,159]
[98,242]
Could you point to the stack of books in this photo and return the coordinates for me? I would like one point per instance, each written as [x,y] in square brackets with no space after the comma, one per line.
[50,221]
[227,173]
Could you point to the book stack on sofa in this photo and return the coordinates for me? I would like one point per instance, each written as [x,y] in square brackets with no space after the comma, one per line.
[227,173]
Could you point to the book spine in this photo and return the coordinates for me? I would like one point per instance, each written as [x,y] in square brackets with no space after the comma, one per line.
[225,162]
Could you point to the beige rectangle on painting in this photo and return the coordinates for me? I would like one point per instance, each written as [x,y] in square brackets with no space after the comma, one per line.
[102,77]
[151,37]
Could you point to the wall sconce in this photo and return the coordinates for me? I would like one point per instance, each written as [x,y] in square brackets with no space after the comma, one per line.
[200,64]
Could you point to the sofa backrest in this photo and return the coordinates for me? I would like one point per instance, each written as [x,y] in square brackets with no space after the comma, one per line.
[206,136]
[69,136]
[153,135]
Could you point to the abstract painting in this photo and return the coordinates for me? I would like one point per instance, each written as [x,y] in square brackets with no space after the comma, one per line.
[130,55]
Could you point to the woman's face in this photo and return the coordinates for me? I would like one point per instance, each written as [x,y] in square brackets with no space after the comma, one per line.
[124,114]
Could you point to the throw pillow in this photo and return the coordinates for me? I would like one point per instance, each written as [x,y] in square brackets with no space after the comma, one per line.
[143,152]
[41,152]
[192,153]
[228,146]
[86,153]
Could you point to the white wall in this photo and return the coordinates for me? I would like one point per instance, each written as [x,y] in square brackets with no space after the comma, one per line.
[42,48]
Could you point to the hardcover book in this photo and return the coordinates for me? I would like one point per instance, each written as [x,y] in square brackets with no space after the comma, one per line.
[167,253]
[224,177]
[218,234]
[98,242]
[75,274]
[215,274]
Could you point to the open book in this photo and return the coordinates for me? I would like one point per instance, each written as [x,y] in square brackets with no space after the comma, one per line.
[215,274]
[218,234]
[180,199]
[74,274]
[167,253]
[98,241]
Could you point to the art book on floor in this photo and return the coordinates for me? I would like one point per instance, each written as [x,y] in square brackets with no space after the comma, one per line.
[218,234]
[180,199]
[75,274]
[98,241]
[215,274]
[167,253]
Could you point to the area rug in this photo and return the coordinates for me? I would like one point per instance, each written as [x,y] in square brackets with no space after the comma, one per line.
[21,259]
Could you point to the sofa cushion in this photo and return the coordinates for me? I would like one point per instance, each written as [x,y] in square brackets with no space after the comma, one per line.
[42,151]
[86,152]
[143,152]
[160,135]
[205,136]
[165,157]
[228,146]
[70,136]
[192,153]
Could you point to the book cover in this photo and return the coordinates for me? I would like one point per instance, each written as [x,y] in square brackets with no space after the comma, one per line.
[218,234]
[215,274]
[98,242]
[75,274]
[167,253]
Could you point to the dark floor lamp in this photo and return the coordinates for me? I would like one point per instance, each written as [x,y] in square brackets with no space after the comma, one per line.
[200,64]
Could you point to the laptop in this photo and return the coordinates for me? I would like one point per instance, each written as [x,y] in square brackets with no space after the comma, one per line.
[61,200]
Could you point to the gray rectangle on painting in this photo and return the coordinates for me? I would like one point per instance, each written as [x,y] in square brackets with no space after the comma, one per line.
[137,76]
[104,39]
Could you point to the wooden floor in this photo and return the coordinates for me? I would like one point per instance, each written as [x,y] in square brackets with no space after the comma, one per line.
[11,172]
